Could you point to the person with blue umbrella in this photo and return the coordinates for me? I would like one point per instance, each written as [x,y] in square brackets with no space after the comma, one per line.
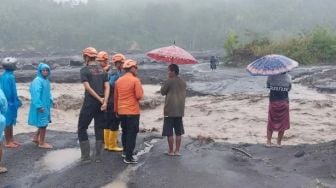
[276,67]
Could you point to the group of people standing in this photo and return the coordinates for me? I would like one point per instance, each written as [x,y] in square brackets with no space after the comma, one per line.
[39,112]
[111,99]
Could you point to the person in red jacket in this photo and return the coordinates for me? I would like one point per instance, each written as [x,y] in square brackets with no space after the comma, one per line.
[127,94]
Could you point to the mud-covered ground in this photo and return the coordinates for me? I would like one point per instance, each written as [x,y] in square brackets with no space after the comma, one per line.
[203,164]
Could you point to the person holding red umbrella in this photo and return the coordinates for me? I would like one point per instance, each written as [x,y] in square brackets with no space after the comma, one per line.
[174,88]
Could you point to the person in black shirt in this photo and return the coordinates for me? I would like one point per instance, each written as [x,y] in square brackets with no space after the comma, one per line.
[97,88]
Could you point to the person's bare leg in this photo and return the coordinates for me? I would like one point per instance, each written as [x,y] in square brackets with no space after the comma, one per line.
[269,138]
[36,137]
[280,136]
[0,151]
[170,140]
[14,141]
[2,168]
[42,143]
[9,138]
[178,144]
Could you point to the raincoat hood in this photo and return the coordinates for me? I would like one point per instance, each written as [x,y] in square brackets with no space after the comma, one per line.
[40,67]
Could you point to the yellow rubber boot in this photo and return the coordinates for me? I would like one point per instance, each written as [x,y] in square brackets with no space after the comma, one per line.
[113,145]
[107,138]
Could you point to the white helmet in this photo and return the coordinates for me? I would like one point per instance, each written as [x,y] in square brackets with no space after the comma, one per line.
[9,63]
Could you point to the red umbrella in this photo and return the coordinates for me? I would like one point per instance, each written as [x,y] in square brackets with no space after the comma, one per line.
[172,54]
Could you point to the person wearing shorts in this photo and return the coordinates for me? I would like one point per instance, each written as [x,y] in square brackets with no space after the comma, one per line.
[174,88]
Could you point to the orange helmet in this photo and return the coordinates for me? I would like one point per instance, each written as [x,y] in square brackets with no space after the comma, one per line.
[118,57]
[102,56]
[128,63]
[90,51]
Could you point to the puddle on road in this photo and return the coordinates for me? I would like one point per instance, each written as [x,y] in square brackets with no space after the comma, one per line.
[148,147]
[60,159]
[123,178]
[121,181]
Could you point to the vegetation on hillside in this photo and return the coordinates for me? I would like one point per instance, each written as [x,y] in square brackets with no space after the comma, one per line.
[116,25]
[318,46]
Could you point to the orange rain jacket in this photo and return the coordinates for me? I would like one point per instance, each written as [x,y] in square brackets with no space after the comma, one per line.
[127,94]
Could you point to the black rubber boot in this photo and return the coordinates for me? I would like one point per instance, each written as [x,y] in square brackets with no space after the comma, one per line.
[85,151]
[99,146]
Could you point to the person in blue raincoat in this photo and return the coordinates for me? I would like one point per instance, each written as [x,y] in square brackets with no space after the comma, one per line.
[3,109]
[8,86]
[41,104]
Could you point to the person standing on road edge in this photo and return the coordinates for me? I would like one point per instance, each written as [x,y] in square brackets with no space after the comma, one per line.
[97,88]
[41,104]
[112,131]
[278,112]
[127,94]
[3,109]
[174,88]
[8,86]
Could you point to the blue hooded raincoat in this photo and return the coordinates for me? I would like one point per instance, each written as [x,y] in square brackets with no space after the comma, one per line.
[8,86]
[41,97]
[3,109]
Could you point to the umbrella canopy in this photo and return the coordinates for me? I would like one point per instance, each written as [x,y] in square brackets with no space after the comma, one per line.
[271,65]
[172,54]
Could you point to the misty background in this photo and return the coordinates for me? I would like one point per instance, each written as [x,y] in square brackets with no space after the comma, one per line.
[140,25]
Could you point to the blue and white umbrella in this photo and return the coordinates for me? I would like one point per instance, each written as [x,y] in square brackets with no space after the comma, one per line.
[271,65]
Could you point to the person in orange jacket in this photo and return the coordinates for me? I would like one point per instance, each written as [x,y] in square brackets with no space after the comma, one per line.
[127,94]
[97,89]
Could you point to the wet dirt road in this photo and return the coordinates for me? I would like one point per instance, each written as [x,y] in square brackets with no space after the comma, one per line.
[203,164]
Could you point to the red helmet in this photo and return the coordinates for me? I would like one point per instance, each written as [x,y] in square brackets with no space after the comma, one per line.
[90,51]
[102,56]
[118,57]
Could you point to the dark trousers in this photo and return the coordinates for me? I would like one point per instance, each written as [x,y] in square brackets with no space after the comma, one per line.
[112,121]
[130,129]
[91,110]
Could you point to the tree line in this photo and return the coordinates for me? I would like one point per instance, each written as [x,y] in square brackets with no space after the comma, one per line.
[116,25]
